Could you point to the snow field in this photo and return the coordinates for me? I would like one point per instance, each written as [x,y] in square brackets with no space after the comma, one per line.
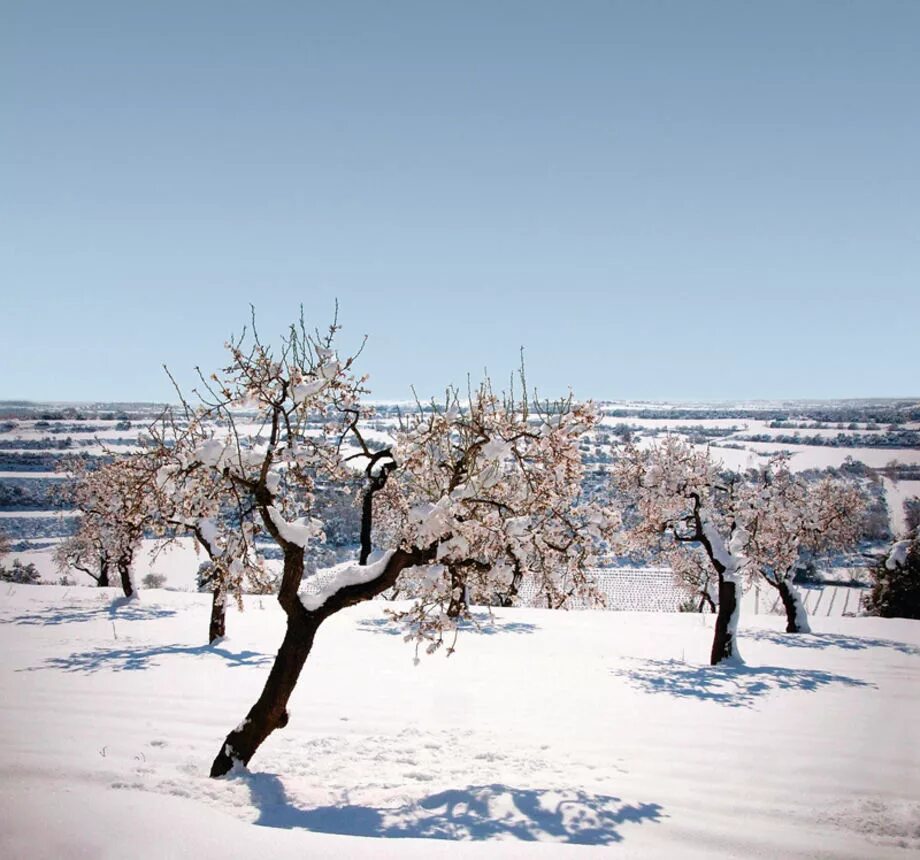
[594,728]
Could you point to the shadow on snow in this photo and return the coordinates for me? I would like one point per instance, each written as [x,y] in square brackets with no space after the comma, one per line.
[829,640]
[131,659]
[737,686]
[120,609]
[475,813]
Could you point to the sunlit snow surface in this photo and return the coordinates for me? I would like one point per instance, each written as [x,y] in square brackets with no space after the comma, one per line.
[596,733]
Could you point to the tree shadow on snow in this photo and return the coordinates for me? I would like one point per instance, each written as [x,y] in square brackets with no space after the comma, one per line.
[829,640]
[475,813]
[120,609]
[132,659]
[482,623]
[735,686]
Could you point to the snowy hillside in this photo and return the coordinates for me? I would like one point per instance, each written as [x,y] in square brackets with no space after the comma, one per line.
[582,729]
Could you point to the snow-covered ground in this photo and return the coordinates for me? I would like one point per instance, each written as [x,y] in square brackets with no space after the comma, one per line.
[604,729]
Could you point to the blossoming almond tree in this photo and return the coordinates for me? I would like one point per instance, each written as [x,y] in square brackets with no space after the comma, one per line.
[493,486]
[195,498]
[116,501]
[86,552]
[786,516]
[679,496]
[488,492]
[245,464]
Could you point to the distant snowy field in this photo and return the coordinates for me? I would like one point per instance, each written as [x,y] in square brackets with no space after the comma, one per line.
[604,729]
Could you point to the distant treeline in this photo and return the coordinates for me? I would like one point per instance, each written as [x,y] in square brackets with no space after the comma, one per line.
[899,412]
[888,439]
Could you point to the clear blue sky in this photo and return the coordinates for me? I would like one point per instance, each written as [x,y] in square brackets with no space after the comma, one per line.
[657,200]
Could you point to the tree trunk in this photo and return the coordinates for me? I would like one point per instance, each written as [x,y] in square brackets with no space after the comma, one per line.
[457,605]
[724,646]
[127,585]
[706,600]
[796,618]
[506,599]
[103,579]
[270,711]
[218,626]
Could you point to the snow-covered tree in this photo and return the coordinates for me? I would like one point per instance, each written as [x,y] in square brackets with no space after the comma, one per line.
[196,498]
[694,575]
[87,551]
[495,486]
[489,492]
[678,497]
[786,516]
[230,479]
[115,501]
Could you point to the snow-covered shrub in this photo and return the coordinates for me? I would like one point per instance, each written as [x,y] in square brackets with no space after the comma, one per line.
[22,574]
[895,589]
[154,580]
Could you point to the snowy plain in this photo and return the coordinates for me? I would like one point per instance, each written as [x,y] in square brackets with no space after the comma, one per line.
[596,733]
[563,734]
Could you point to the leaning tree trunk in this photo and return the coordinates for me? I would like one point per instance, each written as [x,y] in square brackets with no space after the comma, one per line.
[270,710]
[217,628]
[724,646]
[796,617]
[103,579]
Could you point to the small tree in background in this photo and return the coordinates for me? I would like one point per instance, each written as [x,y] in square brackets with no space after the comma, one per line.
[786,516]
[195,497]
[680,498]
[695,576]
[895,591]
[116,501]
[86,551]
